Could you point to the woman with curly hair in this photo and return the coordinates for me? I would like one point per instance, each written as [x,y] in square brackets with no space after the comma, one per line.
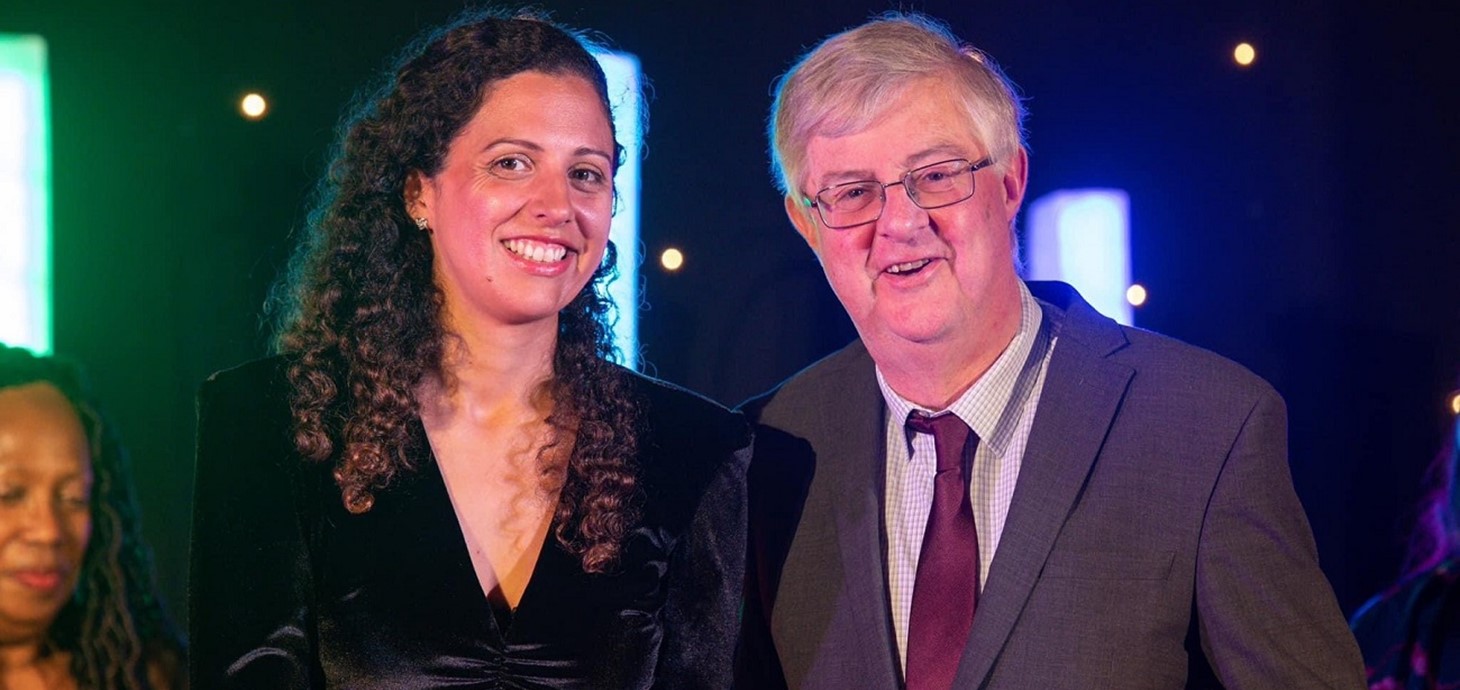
[442,479]
[78,603]
[1410,633]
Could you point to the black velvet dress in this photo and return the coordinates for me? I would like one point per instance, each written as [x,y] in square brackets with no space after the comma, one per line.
[289,590]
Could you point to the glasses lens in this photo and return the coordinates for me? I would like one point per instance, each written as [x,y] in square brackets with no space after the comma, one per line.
[850,204]
[943,183]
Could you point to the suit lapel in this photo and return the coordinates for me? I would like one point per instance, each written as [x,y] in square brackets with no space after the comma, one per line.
[854,417]
[1081,393]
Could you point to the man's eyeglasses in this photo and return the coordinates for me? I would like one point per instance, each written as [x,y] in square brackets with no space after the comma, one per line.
[850,204]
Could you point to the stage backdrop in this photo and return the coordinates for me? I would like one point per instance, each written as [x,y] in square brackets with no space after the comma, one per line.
[1297,216]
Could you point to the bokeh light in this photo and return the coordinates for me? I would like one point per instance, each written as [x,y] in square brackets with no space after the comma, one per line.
[1244,54]
[253,106]
[1136,295]
[672,259]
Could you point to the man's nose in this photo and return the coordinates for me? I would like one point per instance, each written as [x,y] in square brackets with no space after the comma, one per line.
[900,216]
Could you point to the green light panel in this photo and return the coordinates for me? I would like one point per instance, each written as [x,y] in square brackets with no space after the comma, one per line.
[25,194]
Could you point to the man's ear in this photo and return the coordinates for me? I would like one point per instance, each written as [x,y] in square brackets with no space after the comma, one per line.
[802,217]
[1016,178]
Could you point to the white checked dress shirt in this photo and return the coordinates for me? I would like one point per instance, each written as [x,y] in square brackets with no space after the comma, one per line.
[999,408]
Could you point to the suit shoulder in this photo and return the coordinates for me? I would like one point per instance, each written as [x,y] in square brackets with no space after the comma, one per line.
[1155,358]
[1153,355]
[810,388]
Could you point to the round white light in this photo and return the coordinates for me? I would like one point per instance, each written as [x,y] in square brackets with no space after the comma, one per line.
[1136,295]
[253,106]
[1244,54]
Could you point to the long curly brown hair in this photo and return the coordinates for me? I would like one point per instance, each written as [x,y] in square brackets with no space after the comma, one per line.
[114,627]
[361,314]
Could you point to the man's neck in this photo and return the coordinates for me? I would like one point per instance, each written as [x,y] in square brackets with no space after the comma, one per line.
[932,375]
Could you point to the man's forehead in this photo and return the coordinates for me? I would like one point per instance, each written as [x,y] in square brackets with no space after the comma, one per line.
[830,160]
[923,122]
[894,154]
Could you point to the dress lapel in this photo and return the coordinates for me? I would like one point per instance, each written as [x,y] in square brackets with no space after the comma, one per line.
[1077,405]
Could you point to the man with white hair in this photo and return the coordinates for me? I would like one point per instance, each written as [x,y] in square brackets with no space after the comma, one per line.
[996,486]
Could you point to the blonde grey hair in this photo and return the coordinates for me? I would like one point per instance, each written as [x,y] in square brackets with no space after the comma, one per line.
[844,84]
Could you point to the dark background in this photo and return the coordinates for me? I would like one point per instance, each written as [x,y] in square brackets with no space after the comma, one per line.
[1297,216]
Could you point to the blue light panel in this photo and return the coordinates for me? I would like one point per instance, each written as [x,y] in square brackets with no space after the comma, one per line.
[1082,237]
[624,77]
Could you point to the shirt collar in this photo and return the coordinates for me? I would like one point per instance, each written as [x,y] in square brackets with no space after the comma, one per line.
[983,404]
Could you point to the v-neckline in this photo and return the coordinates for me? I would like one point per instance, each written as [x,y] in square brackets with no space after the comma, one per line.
[500,620]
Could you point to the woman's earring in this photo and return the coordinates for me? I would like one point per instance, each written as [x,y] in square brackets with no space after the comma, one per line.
[422,224]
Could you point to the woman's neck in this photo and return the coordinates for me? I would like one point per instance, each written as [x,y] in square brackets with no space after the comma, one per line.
[23,666]
[489,372]
[19,653]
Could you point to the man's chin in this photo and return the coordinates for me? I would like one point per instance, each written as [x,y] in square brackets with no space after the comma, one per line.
[913,333]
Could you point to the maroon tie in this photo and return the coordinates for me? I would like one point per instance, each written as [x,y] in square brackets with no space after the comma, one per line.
[945,592]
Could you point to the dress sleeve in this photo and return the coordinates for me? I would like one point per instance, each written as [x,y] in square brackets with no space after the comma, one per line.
[250,588]
[706,570]
[1266,613]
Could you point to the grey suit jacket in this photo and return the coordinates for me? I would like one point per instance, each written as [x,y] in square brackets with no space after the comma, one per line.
[1154,539]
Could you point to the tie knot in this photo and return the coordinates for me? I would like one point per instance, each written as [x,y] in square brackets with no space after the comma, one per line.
[949,433]
[937,425]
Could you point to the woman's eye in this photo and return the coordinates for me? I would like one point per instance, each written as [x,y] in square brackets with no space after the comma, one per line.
[11,496]
[588,179]
[511,167]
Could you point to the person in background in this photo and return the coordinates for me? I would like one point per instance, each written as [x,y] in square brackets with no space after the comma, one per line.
[1410,634]
[996,486]
[79,606]
[443,480]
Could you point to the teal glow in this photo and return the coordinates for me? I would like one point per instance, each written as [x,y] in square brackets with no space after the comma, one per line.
[1082,237]
[624,77]
[25,194]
